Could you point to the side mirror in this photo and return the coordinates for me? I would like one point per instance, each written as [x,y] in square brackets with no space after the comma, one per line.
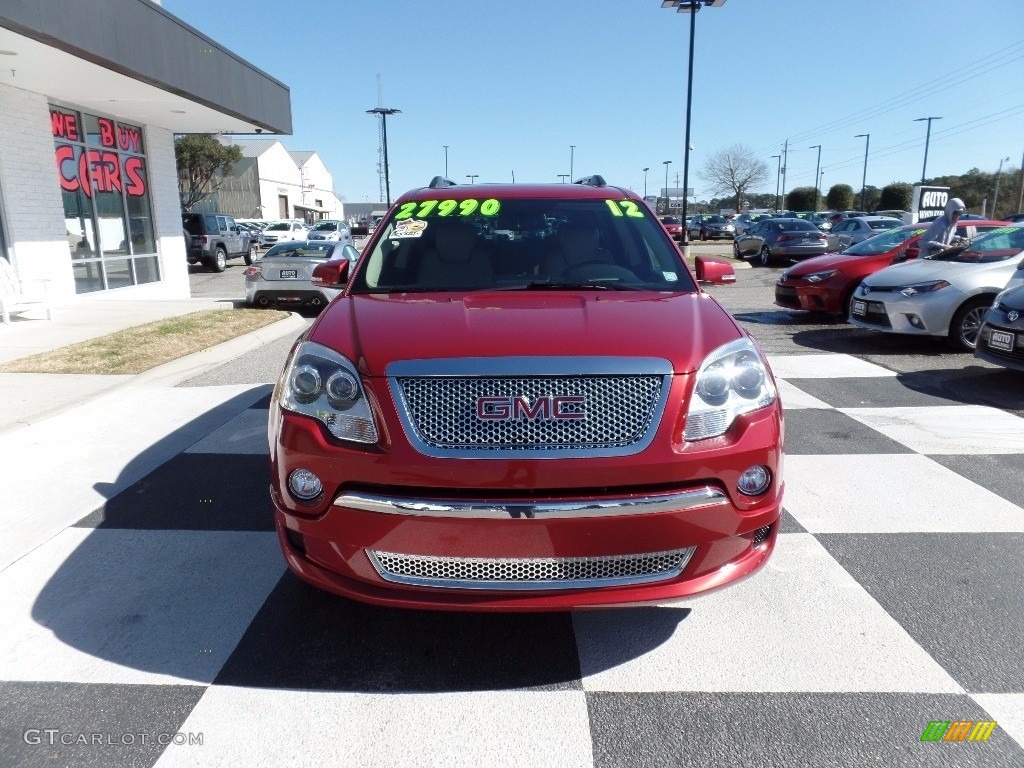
[350,253]
[713,270]
[331,274]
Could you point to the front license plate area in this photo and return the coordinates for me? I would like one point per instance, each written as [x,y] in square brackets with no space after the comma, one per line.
[289,273]
[1002,340]
[859,308]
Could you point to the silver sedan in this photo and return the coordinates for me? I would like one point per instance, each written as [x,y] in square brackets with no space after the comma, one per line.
[282,276]
[1001,338]
[946,295]
[851,231]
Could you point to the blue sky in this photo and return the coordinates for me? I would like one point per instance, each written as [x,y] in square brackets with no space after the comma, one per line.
[510,86]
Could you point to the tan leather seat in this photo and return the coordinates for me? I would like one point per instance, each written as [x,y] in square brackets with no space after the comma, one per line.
[457,259]
[577,244]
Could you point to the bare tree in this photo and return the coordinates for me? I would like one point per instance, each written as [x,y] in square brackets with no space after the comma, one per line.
[733,171]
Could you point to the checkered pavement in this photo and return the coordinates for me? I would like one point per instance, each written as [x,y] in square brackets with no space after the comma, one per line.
[895,597]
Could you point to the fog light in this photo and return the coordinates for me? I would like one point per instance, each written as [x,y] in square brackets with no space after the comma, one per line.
[304,484]
[754,481]
[915,321]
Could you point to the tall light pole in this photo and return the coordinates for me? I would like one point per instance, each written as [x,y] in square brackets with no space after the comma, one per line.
[472,177]
[563,177]
[572,153]
[666,164]
[927,138]
[445,160]
[864,178]
[645,182]
[995,198]
[383,113]
[778,173]
[691,7]
[817,171]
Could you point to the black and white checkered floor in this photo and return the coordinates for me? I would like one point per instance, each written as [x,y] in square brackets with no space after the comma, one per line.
[143,593]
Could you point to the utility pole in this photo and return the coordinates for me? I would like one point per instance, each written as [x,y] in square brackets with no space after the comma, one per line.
[785,160]
[817,172]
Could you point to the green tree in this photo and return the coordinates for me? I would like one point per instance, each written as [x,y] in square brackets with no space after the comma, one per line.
[840,197]
[203,162]
[802,199]
[897,196]
[734,170]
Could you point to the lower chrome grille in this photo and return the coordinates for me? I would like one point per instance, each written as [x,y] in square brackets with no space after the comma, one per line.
[537,573]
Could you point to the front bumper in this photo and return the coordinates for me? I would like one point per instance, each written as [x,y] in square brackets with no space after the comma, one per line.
[923,315]
[1007,358]
[519,512]
[812,297]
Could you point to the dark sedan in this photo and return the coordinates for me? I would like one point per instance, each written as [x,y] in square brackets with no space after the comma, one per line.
[710,226]
[775,239]
[1001,338]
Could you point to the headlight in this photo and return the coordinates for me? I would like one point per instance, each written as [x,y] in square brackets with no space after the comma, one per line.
[323,385]
[732,380]
[817,277]
[919,288]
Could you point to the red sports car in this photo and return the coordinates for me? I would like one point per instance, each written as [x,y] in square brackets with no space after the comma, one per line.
[522,400]
[826,283]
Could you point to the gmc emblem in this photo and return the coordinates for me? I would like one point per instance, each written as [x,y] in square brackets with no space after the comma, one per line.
[546,408]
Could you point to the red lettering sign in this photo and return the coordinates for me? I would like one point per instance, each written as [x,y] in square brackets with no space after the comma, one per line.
[135,184]
[67,172]
[64,125]
[102,169]
[106,132]
[128,138]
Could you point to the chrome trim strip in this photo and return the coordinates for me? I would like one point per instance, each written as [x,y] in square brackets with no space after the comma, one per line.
[538,586]
[706,496]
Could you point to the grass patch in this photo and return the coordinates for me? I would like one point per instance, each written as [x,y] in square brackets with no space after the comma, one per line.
[138,349]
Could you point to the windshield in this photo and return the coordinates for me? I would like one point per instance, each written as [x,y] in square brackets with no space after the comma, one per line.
[795,225]
[326,226]
[279,226]
[886,241]
[995,245]
[885,224]
[522,244]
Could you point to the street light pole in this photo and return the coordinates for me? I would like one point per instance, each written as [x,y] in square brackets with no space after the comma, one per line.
[995,198]
[817,171]
[864,178]
[445,160]
[778,173]
[645,182]
[927,138]
[563,177]
[383,112]
[666,164]
[472,177]
[572,153]
[691,7]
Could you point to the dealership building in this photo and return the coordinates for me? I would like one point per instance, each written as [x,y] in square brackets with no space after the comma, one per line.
[91,96]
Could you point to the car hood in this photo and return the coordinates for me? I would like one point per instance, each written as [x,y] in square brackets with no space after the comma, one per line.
[821,263]
[921,270]
[375,330]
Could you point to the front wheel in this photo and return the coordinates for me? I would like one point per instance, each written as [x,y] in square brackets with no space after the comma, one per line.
[736,250]
[765,256]
[963,331]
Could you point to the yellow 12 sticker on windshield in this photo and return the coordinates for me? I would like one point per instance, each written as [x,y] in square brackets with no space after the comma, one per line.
[423,209]
[625,208]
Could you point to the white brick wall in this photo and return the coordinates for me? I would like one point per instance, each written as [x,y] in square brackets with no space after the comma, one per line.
[163,186]
[32,202]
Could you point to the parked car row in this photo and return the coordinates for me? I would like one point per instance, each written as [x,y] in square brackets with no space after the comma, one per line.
[971,293]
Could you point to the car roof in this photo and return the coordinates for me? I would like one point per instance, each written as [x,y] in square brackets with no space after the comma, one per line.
[577,191]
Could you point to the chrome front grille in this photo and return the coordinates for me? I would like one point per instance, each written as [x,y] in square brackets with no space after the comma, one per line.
[609,412]
[538,573]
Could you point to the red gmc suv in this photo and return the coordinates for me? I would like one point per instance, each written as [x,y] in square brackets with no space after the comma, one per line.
[522,400]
